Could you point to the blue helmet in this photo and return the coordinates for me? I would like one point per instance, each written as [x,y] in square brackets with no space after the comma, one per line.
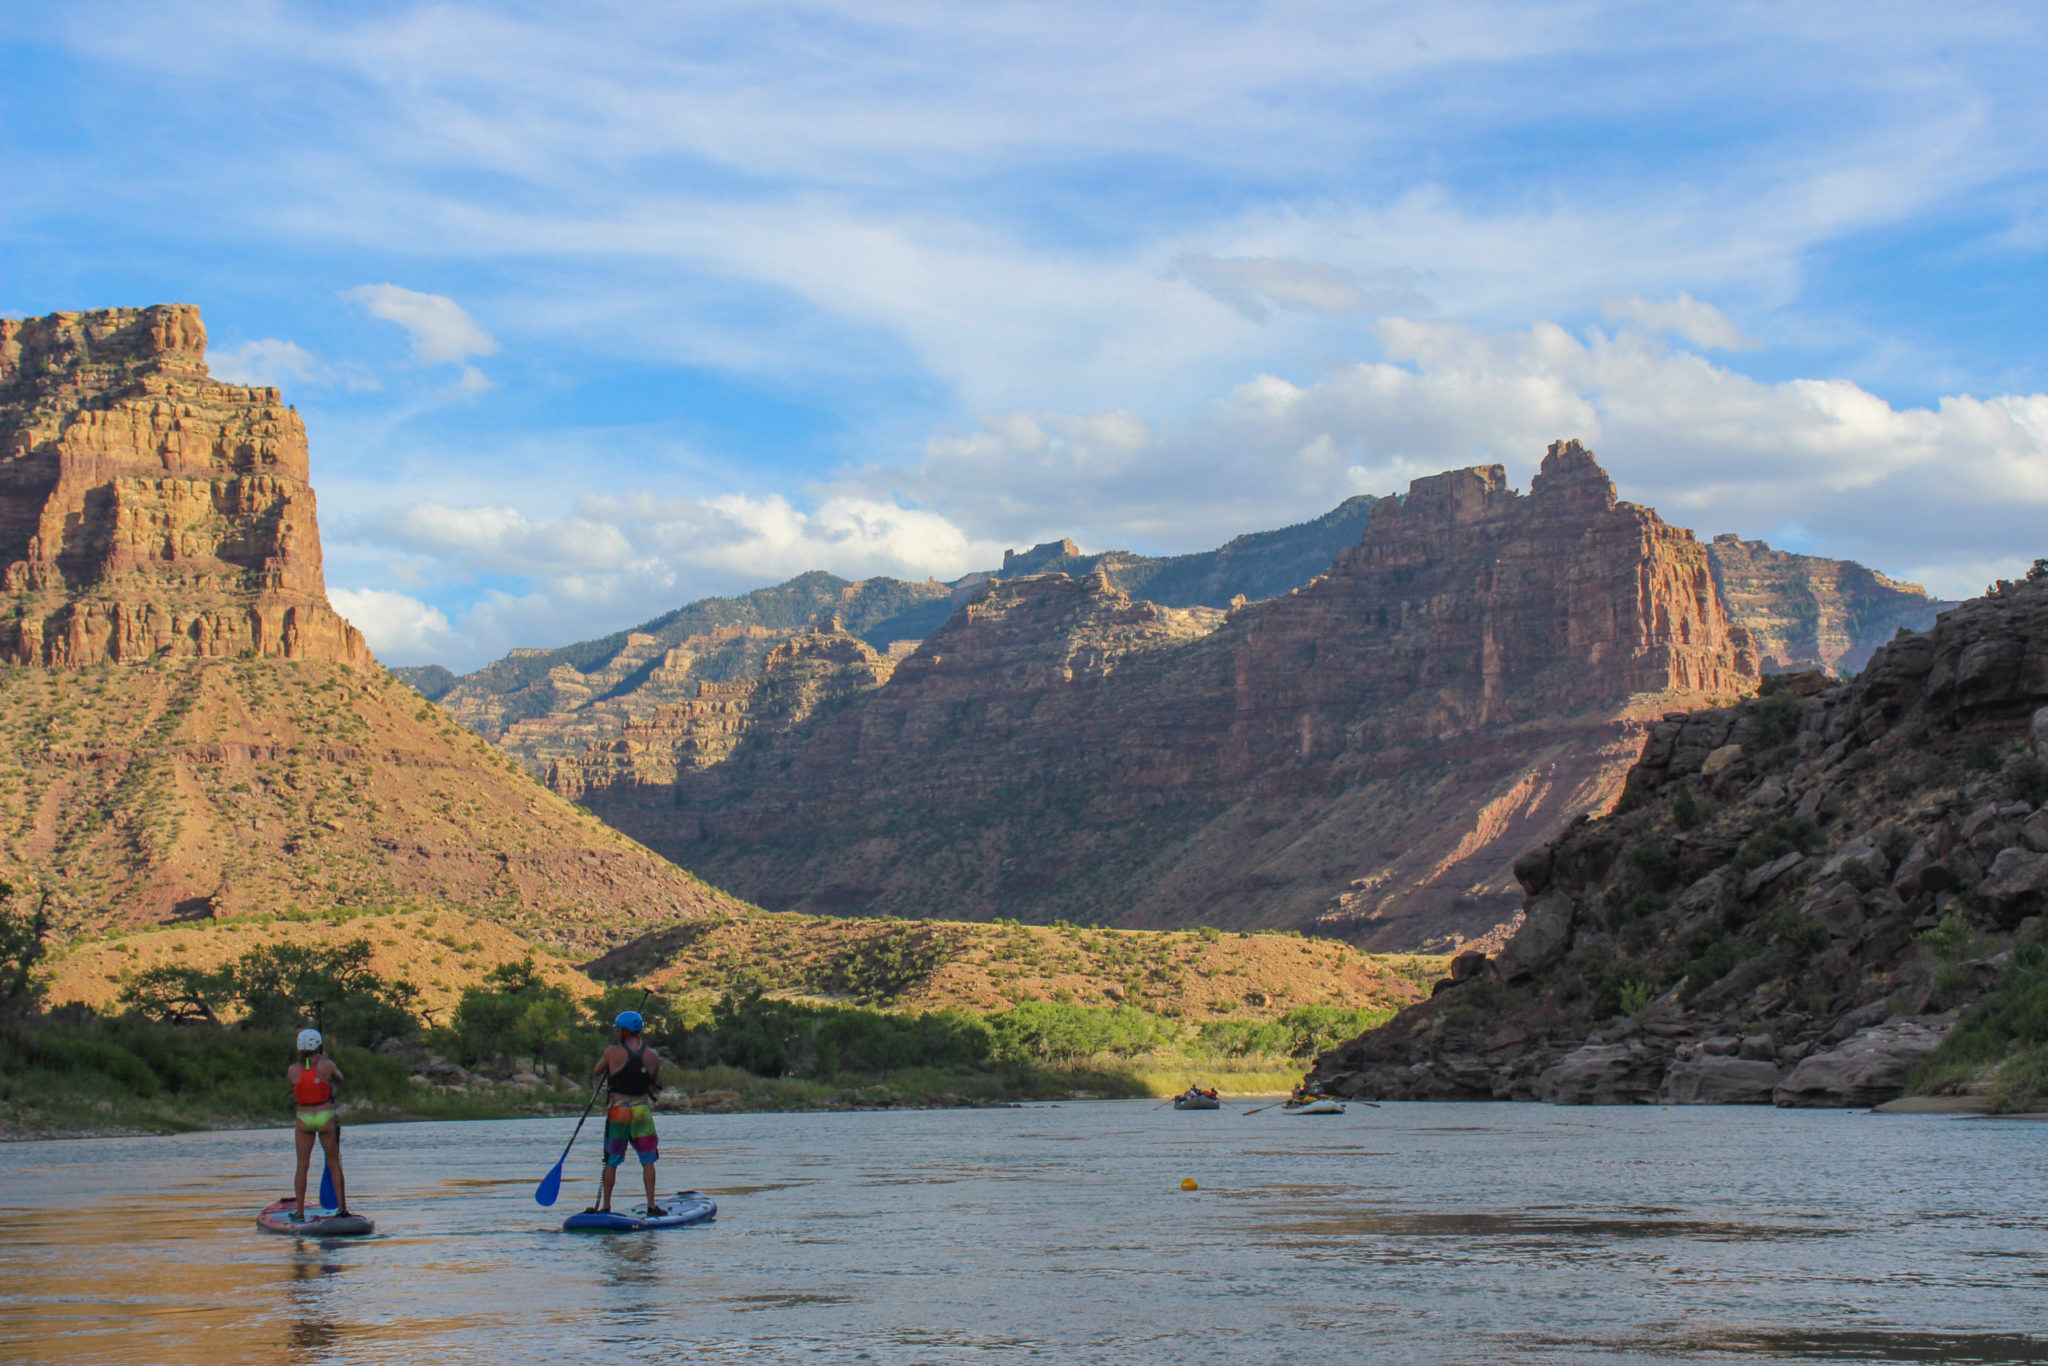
[629,1020]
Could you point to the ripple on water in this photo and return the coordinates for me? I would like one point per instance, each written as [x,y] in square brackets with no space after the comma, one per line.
[1424,1233]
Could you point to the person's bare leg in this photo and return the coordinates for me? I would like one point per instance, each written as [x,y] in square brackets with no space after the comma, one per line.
[330,1144]
[303,1138]
[647,1179]
[604,1195]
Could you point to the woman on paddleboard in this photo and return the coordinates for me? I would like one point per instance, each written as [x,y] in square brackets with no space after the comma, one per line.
[631,1072]
[312,1079]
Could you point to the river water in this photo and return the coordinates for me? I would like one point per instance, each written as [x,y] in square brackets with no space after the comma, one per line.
[1058,1233]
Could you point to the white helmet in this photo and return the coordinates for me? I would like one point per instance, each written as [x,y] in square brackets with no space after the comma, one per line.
[309,1041]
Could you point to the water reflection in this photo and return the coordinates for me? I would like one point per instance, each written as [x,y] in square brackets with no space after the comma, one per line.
[1060,1234]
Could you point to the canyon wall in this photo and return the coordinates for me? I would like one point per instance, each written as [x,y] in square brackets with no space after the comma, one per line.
[189,729]
[146,510]
[1363,756]
[1809,612]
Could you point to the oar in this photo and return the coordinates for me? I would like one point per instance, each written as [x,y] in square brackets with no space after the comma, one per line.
[328,1198]
[551,1185]
[1256,1108]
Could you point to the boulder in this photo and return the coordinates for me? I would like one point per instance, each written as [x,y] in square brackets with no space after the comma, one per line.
[1604,1074]
[2039,728]
[1861,850]
[1838,906]
[1546,933]
[1869,1068]
[1760,878]
[1719,761]
[2034,832]
[2015,886]
[1710,1080]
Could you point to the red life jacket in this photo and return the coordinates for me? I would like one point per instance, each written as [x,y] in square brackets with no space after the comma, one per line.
[311,1088]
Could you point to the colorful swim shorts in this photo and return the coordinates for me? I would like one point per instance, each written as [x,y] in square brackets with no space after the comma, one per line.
[629,1124]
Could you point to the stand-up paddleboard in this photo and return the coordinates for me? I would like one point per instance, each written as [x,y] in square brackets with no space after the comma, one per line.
[681,1210]
[318,1223]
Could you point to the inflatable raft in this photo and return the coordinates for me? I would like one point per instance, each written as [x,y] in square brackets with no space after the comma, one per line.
[1196,1101]
[1315,1107]
[318,1223]
[678,1211]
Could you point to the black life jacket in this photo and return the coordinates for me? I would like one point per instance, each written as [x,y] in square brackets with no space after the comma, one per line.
[632,1078]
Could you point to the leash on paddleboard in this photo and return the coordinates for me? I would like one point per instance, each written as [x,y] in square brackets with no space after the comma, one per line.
[550,1188]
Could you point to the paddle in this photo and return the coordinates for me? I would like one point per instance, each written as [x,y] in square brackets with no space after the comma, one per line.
[328,1198]
[551,1185]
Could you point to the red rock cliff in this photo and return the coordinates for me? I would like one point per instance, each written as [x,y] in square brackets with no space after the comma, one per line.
[147,510]
[1368,753]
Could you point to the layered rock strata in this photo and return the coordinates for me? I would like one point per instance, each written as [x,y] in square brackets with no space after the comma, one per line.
[189,729]
[1808,612]
[1792,903]
[147,510]
[1363,755]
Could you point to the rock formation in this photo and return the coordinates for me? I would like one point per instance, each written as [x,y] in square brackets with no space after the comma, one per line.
[1806,612]
[1792,902]
[1364,754]
[188,728]
[146,510]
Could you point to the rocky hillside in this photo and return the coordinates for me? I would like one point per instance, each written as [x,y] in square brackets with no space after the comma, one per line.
[1806,612]
[543,706]
[1793,902]
[930,964]
[187,730]
[1364,755]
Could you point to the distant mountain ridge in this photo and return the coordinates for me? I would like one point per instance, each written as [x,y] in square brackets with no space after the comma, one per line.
[547,704]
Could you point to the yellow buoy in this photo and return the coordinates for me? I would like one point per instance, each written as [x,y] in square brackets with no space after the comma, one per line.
[1187,1183]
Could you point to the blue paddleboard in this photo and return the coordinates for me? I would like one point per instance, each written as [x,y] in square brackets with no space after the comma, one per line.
[681,1210]
[318,1223]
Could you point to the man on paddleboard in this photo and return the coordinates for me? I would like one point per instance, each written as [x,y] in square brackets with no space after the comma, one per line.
[631,1072]
[312,1079]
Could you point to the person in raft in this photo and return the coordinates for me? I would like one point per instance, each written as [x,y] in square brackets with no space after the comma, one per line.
[312,1079]
[632,1073]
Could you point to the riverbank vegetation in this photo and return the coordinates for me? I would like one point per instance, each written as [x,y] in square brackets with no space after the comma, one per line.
[204,1045]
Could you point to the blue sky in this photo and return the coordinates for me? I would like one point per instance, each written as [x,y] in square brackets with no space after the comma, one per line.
[593,310]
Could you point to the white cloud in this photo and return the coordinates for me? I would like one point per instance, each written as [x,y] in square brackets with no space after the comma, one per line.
[269,360]
[440,329]
[1930,493]
[400,629]
[1703,325]
[1256,285]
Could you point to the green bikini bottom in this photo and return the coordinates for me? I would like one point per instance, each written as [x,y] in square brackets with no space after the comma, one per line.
[316,1120]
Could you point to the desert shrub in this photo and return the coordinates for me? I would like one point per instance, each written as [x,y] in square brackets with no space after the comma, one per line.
[1980,754]
[773,1038]
[1049,1031]
[23,935]
[1301,1032]
[1686,811]
[1710,957]
[1861,875]
[1780,837]
[1948,940]
[883,967]
[514,1014]
[1777,718]
[2025,779]
[1657,864]
[275,986]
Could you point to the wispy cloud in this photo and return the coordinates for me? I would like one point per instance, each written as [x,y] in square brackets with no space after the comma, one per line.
[1702,324]
[442,331]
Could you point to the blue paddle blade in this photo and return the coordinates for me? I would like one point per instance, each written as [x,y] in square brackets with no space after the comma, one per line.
[328,1199]
[550,1187]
